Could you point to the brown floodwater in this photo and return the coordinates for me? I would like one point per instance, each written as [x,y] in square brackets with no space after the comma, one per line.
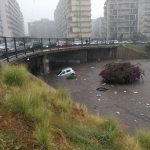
[130,104]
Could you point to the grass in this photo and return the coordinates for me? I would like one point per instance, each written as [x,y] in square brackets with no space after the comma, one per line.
[138,48]
[9,140]
[45,118]
[42,135]
[15,75]
[144,140]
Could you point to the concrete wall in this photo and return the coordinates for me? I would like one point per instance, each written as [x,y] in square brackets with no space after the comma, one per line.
[125,53]
[45,63]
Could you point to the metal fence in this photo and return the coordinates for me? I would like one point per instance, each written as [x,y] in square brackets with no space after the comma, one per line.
[15,47]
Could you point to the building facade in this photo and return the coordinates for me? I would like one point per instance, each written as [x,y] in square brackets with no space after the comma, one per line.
[121,18]
[43,28]
[144,17]
[73,18]
[99,28]
[11,19]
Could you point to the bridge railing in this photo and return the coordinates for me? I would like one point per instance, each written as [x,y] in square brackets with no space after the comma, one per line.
[11,47]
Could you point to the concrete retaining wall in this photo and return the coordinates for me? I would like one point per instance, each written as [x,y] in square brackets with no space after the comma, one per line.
[126,53]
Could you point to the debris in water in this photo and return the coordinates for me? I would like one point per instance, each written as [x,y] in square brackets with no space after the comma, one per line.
[103,89]
[85,79]
[125,91]
[99,99]
[115,92]
[124,126]
[136,92]
[98,95]
[104,84]
[118,113]
[92,67]
[141,114]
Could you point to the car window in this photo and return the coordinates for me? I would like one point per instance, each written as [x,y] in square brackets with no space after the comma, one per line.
[63,72]
[68,71]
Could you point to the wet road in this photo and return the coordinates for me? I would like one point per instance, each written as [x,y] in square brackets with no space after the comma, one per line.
[130,104]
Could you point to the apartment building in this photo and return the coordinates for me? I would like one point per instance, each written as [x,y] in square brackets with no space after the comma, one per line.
[96,28]
[144,17]
[42,28]
[121,18]
[73,18]
[99,28]
[11,19]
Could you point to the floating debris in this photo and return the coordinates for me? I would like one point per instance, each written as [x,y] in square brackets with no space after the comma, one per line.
[124,126]
[136,92]
[141,114]
[103,89]
[98,95]
[135,120]
[148,105]
[118,113]
[115,92]
[92,67]
[104,84]
[125,91]
[85,79]
[99,99]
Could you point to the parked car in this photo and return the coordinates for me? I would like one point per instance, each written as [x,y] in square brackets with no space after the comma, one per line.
[45,44]
[64,44]
[66,72]
[2,46]
[77,43]
[33,45]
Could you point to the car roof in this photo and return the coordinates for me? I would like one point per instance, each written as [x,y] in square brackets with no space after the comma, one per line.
[66,69]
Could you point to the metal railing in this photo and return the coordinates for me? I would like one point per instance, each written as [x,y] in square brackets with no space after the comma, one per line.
[14,46]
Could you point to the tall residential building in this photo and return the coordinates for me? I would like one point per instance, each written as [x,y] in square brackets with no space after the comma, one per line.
[96,28]
[73,18]
[121,18]
[144,17]
[43,28]
[99,28]
[11,19]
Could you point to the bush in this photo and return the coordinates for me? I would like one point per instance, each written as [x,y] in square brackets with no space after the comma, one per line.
[15,75]
[71,77]
[121,73]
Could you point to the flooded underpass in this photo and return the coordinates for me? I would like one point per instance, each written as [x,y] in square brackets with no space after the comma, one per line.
[130,104]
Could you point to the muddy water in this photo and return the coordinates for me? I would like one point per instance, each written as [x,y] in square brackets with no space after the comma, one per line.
[128,103]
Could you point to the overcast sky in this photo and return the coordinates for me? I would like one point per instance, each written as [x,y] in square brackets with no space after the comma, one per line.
[37,9]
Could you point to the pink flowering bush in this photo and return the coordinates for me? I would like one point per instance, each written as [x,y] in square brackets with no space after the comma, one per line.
[121,73]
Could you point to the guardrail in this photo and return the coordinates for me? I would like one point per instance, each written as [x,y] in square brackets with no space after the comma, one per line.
[15,46]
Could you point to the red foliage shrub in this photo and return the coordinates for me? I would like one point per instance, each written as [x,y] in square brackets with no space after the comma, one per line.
[121,73]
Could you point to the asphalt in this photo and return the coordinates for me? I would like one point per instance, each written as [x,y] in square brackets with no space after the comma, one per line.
[130,104]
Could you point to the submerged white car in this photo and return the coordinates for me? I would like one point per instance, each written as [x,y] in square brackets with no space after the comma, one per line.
[66,72]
